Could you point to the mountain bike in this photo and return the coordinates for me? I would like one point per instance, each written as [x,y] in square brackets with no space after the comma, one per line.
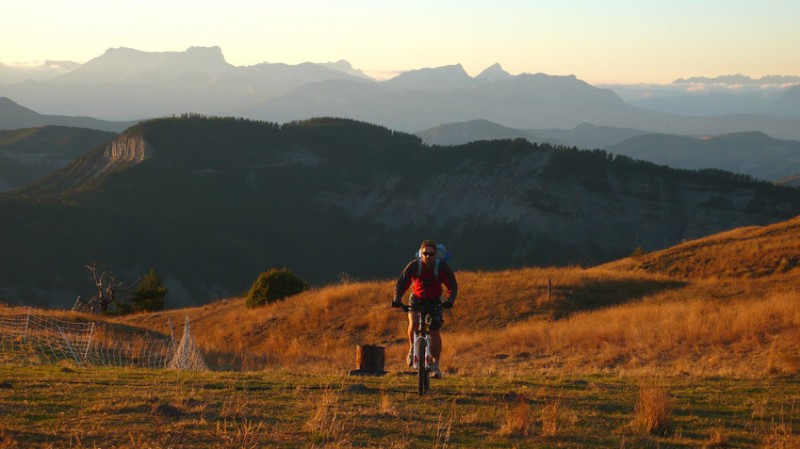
[422,358]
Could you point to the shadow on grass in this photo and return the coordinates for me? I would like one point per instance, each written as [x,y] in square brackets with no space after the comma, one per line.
[598,294]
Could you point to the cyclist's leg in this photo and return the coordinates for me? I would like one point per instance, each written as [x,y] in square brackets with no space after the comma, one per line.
[437,322]
[436,352]
[422,368]
[436,344]
[413,324]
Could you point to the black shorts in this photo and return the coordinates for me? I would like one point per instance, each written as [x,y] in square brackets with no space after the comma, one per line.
[437,320]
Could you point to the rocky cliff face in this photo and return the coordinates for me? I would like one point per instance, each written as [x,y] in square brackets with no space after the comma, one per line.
[128,148]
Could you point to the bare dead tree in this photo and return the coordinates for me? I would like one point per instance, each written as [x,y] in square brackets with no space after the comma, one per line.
[108,291]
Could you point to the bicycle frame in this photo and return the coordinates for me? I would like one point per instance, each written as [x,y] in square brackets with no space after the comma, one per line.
[424,340]
[422,359]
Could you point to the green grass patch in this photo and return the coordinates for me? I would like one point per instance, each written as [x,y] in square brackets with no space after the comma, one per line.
[49,407]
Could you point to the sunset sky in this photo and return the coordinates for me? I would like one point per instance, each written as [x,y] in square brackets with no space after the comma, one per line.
[610,41]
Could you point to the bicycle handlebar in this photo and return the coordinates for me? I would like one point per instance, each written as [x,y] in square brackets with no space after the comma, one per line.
[420,308]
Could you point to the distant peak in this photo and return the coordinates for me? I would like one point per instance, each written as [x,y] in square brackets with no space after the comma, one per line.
[215,50]
[448,75]
[345,67]
[453,68]
[341,64]
[117,50]
[5,101]
[494,72]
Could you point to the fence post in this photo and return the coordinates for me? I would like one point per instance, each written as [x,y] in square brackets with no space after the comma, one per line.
[172,342]
[89,343]
[27,324]
[66,340]
[185,347]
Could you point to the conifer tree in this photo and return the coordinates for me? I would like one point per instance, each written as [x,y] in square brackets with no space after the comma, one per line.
[150,294]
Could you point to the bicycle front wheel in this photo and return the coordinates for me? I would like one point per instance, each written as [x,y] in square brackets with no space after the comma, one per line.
[422,370]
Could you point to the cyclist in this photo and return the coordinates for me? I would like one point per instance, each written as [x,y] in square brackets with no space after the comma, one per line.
[427,274]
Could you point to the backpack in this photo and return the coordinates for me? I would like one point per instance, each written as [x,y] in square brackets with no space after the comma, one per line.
[441,255]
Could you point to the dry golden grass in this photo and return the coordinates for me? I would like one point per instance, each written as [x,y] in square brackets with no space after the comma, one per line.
[603,320]
[653,410]
[723,305]
[673,315]
[518,420]
[747,336]
[748,252]
[320,328]
[550,418]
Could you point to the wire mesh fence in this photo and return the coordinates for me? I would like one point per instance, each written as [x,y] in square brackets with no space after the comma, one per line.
[29,337]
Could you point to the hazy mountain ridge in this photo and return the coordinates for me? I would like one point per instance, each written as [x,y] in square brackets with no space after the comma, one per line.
[434,80]
[789,103]
[724,95]
[466,132]
[127,65]
[524,102]
[154,84]
[46,70]
[14,116]
[738,79]
[518,102]
[216,201]
[584,136]
[199,80]
[751,153]
[29,154]
[755,154]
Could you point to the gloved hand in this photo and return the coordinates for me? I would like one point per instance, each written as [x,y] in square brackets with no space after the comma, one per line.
[396,303]
[447,304]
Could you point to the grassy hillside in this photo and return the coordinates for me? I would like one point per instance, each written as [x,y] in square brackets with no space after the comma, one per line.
[724,305]
[595,320]
[748,252]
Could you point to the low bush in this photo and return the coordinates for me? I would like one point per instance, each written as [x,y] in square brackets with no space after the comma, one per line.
[272,285]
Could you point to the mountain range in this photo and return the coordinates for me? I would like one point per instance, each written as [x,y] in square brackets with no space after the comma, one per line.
[29,154]
[584,136]
[127,84]
[211,202]
[751,153]
[14,116]
[722,95]
[33,152]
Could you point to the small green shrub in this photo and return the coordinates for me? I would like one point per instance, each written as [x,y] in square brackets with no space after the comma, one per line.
[149,295]
[273,285]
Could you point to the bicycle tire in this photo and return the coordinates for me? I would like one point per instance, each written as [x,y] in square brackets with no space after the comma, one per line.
[422,370]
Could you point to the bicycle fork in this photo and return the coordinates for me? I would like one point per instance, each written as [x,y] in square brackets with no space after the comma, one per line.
[420,340]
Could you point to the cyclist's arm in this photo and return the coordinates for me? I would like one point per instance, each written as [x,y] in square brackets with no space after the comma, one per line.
[449,280]
[403,282]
